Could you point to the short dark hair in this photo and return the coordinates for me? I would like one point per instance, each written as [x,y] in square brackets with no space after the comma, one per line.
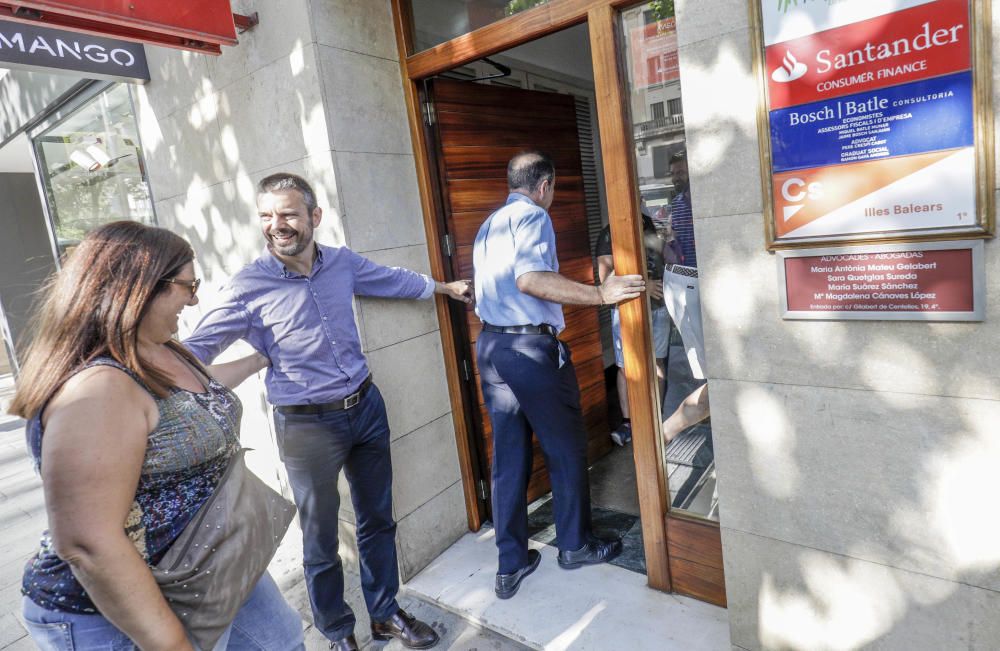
[528,169]
[679,157]
[288,181]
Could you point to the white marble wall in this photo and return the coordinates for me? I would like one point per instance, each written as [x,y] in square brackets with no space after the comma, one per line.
[315,89]
[855,459]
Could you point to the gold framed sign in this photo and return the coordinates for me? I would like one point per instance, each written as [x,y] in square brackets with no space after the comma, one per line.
[876,118]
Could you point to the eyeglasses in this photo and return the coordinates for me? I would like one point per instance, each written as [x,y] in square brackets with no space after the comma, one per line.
[190,284]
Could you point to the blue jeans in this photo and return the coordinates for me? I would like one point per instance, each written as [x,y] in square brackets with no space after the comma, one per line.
[314,448]
[265,623]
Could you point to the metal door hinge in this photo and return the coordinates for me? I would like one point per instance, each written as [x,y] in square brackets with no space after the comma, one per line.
[483,489]
[447,244]
[466,370]
[430,116]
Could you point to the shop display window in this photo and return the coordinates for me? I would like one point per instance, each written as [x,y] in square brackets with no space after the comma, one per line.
[91,167]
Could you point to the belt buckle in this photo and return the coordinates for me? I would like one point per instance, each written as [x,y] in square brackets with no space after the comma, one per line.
[352,400]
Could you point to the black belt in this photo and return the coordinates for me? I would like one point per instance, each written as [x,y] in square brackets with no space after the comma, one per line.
[682,270]
[337,405]
[543,329]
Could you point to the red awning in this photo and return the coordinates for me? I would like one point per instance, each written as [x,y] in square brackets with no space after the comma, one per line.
[202,26]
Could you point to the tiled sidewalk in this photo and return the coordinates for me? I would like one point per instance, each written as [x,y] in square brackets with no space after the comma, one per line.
[22,519]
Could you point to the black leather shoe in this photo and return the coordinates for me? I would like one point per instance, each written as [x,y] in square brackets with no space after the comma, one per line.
[413,633]
[507,584]
[594,552]
[346,644]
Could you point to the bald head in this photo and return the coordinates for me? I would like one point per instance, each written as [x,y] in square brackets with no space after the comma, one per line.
[527,170]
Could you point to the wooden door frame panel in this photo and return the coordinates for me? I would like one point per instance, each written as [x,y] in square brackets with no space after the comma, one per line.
[438,184]
[421,155]
[630,258]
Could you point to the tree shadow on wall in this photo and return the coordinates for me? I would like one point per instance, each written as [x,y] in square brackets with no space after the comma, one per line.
[856,460]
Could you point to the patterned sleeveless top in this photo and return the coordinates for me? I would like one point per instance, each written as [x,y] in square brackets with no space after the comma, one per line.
[185,457]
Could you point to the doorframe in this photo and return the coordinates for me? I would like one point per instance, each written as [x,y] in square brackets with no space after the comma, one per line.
[422,155]
[459,327]
[623,208]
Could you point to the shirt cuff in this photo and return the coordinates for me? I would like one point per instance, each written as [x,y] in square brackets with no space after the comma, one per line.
[429,289]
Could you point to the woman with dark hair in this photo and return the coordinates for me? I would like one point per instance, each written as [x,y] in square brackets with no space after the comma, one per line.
[131,435]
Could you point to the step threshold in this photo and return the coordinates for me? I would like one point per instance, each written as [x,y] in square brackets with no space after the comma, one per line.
[593,608]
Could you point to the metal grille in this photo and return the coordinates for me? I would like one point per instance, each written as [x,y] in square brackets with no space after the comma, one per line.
[591,189]
[684,450]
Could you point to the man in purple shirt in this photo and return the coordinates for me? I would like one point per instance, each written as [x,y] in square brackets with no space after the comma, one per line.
[294,305]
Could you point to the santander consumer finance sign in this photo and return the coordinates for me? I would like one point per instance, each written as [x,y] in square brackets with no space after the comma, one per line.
[916,43]
[871,116]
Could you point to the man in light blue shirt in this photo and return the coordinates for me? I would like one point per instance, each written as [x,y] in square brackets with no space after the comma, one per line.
[294,305]
[527,377]
[517,239]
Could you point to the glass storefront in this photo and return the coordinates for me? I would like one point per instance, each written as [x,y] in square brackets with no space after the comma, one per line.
[437,21]
[91,167]
[649,39]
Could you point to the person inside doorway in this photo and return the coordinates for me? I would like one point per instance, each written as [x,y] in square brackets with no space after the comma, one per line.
[527,375]
[681,294]
[659,252]
[294,304]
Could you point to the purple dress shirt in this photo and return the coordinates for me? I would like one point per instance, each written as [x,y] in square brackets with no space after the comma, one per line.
[303,324]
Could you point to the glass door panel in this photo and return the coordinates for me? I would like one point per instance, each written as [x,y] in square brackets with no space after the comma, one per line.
[649,44]
[438,21]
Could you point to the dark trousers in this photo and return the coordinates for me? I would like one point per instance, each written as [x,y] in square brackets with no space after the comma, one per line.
[314,449]
[526,390]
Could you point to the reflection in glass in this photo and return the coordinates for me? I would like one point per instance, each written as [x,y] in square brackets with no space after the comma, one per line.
[437,21]
[91,168]
[649,37]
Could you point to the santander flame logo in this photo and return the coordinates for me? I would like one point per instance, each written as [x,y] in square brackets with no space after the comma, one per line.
[790,69]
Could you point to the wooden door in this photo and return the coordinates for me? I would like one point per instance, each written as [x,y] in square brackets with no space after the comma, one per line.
[475,130]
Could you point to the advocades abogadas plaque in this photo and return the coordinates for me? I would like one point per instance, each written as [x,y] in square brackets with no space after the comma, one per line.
[873,124]
[929,281]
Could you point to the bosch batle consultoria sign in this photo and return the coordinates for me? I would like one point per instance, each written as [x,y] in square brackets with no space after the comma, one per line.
[28,46]
[877,131]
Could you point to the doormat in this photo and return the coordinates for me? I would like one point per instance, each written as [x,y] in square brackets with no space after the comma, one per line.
[607,524]
[692,447]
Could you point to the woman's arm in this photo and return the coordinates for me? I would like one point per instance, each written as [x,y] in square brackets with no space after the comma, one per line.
[95,441]
[233,373]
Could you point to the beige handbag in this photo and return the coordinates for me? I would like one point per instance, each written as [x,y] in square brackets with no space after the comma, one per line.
[213,566]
